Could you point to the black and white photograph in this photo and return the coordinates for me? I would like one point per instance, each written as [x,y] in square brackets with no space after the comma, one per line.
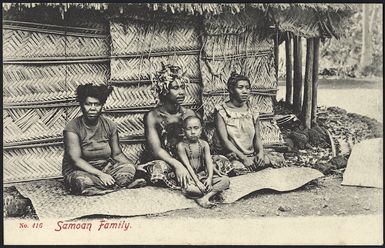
[192,123]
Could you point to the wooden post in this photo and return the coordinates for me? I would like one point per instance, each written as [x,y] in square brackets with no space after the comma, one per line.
[289,70]
[297,89]
[276,53]
[315,81]
[307,94]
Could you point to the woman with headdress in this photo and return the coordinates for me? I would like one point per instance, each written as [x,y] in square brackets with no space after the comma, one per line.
[93,162]
[237,128]
[164,129]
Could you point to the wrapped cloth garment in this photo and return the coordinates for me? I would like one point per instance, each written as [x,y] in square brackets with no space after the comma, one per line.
[162,174]
[80,182]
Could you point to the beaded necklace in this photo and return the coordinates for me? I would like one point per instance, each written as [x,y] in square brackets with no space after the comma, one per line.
[190,152]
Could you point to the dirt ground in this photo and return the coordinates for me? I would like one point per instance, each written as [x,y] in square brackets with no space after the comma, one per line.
[323,197]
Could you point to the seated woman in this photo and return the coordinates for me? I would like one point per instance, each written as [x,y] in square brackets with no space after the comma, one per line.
[195,155]
[163,130]
[93,162]
[237,133]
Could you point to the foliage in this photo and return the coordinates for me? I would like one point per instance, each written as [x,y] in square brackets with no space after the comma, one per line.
[342,57]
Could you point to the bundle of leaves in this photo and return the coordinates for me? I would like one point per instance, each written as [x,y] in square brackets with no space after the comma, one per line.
[16,205]
[312,148]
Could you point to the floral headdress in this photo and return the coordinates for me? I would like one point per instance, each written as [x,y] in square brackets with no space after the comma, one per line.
[162,79]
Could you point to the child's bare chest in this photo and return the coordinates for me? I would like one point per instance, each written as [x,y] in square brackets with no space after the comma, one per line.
[195,155]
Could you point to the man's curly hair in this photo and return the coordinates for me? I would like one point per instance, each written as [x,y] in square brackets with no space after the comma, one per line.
[100,92]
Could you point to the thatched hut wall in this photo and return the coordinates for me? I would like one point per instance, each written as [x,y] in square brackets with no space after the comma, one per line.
[47,57]
[44,60]
[138,47]
[242,43]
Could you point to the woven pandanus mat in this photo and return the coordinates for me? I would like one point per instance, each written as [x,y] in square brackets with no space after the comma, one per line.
[47,83]
[33,124]
[248,42]
[142,68]
[73,112]
[129,96]
[36,124]
[89,20]
[25,44]
[259,69]
[87,46]
[270,133]
[21,44]
[31,163]
[129,124]
[280,179]
[133,151]
[259,103]
[136,37]
[50,200]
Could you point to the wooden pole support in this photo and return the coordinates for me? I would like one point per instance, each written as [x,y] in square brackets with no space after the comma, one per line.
[297,89]
[315,81]
[289,70]
[307,97]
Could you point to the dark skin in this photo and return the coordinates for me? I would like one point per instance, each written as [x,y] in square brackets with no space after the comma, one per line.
[239,96]
[92,108]
[193,131]
[171,102]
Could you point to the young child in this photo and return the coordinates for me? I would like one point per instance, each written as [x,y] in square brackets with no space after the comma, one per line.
[195,155]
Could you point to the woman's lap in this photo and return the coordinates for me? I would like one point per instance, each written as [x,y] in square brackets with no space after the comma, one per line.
[83,183]
[234,167]
[123,173]
[161,173]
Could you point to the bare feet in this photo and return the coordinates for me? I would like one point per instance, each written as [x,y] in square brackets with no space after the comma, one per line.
[218,198]
[204,202]
[137,183]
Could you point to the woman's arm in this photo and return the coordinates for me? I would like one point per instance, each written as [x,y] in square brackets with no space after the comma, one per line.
[223,136]
[154,144]
[258,146]
[116,151]
[183,156]
[73,149]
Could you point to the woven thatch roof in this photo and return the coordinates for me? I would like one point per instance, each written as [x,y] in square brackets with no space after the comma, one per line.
[194,8]
[323,20]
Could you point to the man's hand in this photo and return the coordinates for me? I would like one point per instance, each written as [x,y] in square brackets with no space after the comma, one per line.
[106,179]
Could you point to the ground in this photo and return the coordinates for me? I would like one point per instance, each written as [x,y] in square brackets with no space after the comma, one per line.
[324,196]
